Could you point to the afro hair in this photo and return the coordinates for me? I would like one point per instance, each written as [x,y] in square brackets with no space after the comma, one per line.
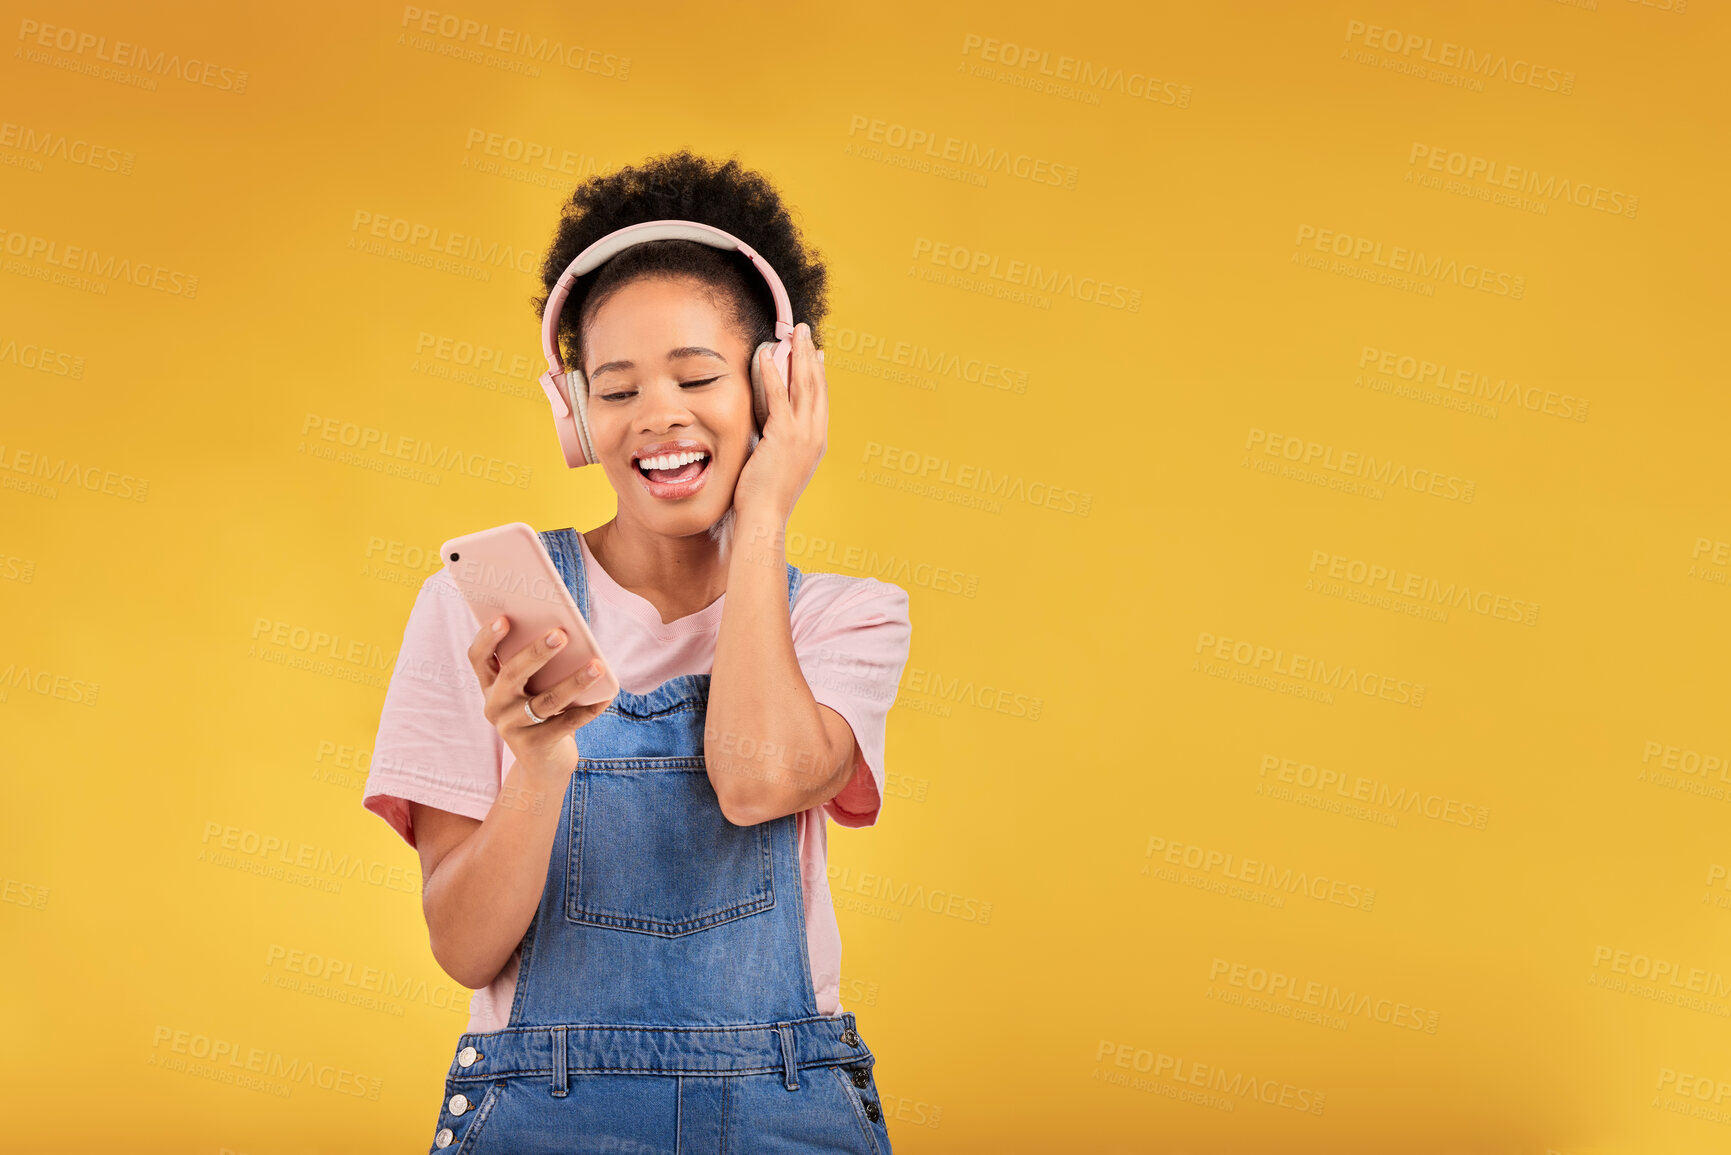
[684,186]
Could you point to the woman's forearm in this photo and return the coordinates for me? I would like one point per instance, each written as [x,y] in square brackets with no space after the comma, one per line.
[484,892]
[764,740]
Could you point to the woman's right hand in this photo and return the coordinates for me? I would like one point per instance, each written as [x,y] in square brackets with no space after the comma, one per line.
[547,748]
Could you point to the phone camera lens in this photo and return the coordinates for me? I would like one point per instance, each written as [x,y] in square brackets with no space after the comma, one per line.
[453,557]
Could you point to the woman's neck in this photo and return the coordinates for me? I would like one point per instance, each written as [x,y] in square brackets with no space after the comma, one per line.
[677,575]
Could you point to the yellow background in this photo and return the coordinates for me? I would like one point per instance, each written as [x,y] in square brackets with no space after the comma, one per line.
[1066,732]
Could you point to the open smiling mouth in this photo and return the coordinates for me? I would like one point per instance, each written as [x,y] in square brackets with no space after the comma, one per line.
[681,478]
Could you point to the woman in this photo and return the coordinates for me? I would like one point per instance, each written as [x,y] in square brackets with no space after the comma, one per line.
[637,890]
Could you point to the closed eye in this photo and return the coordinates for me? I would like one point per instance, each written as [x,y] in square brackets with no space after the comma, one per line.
[682,385]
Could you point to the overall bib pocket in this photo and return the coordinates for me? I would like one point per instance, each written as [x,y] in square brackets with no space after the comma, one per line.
[650,850]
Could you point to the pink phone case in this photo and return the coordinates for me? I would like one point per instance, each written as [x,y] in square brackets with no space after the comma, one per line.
[506,570]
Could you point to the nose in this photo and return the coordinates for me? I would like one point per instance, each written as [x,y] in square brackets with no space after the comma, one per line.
[661,405]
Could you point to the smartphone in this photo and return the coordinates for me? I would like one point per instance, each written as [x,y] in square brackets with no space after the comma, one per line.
[506,570]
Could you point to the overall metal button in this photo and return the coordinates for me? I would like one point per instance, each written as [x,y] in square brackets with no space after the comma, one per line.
[443,1138]
[850,1037]
[459,1104]
[872,1112]
[467,1056]
[860,1077]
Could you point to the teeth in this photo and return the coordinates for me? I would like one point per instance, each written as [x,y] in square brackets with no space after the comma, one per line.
[671,460]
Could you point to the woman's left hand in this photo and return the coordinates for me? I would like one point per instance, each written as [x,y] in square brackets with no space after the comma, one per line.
[794,435]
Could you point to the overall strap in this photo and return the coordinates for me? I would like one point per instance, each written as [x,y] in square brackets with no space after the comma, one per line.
[566,552]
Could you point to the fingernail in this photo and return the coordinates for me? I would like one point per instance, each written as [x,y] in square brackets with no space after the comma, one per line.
[498,624]
[555,639]
[592,669]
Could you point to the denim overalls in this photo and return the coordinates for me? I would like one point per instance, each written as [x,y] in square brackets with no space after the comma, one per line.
[664,999]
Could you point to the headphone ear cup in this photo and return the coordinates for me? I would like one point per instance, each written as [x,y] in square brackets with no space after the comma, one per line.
[760,398]
[571,428]
[577,387]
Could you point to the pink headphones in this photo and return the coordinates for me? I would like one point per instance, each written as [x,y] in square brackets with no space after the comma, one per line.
[568,390]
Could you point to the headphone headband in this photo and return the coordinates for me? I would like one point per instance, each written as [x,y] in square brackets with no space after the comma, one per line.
[553,381]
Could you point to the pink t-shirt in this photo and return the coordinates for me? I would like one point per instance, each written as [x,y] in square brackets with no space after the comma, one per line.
[434,746]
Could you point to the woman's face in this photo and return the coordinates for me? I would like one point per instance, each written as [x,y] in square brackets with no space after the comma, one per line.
[669,377]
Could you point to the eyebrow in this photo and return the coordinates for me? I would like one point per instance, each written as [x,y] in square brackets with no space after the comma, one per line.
[682,352]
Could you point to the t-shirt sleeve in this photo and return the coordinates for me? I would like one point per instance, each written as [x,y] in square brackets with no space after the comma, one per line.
[852,639]
[434,745]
